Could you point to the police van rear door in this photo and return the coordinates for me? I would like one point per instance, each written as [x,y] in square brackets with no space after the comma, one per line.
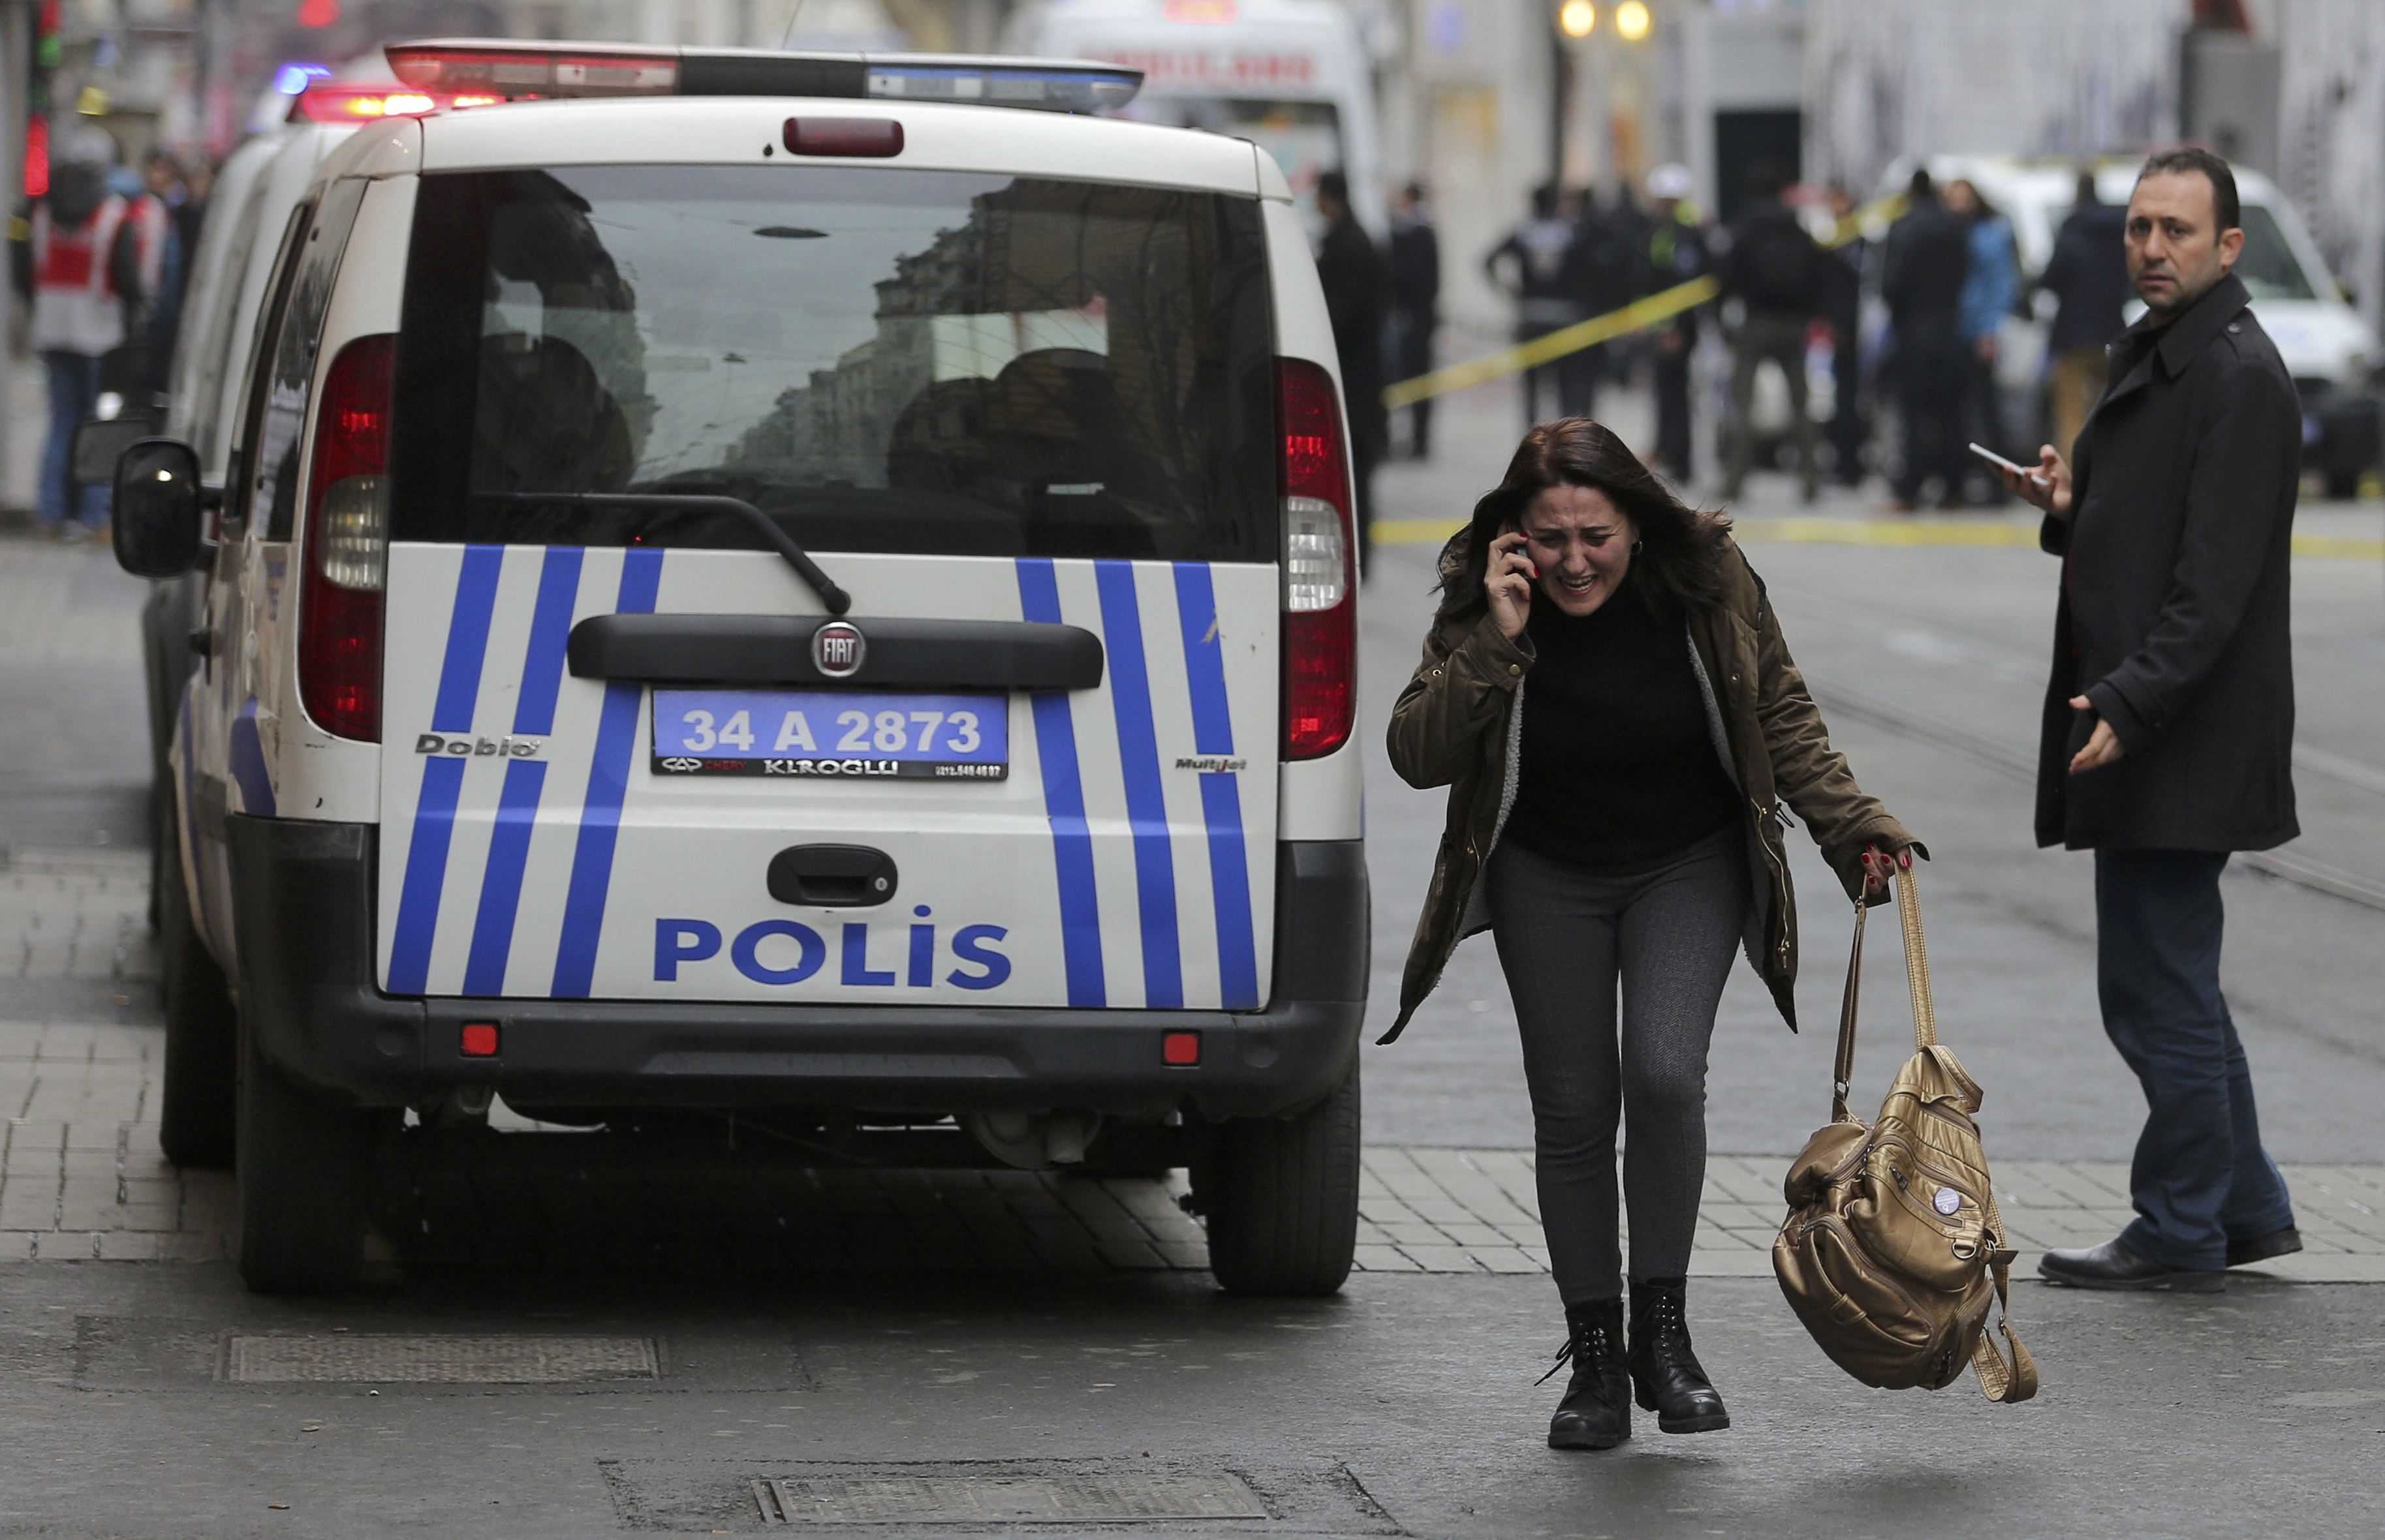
[1028,424]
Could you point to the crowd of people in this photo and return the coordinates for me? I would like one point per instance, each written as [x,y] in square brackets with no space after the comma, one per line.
[100,258]
[1947,273]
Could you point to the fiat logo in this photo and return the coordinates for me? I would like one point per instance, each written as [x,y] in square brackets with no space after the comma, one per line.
[838,649]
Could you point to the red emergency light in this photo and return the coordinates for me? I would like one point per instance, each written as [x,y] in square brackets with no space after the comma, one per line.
[348,102]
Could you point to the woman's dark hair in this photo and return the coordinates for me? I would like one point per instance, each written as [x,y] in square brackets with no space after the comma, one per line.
[1680,552]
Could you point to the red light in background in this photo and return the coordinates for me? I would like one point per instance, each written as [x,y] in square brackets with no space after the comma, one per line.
[1179,1048]
[480,1039]
[37,156]
[318,13]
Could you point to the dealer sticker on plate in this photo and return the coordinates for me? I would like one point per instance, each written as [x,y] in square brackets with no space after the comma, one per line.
[847,735]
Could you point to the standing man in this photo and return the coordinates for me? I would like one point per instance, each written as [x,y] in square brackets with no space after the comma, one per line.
[1989,285]
[1921,277]
[80,268]
[1357,299]
[1774,269]
[2168,731]
[1533,266]
[1415,304]
[1842,277]
[1677,252]
[2088,275]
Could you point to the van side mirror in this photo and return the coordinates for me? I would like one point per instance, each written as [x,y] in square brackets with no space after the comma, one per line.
[159,508]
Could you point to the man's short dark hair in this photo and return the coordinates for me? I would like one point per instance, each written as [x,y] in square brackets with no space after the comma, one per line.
[2193,159]
[1920,189]
[1334,185]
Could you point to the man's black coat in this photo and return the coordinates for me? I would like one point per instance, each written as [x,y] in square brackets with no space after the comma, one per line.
[2173,615]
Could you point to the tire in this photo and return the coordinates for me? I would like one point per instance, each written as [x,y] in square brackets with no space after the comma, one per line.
[305,1183]
[198,1101]
[1281,1199]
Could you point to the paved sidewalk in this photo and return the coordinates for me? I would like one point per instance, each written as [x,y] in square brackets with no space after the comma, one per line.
[80,1178]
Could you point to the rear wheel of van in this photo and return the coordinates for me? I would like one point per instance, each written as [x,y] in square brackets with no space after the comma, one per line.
[1280,1196]
[304,1182]
[198,1099]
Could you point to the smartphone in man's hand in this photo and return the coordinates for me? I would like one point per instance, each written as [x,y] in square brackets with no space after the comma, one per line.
[1991,457]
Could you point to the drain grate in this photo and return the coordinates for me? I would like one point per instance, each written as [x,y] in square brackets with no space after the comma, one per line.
[1020,1499]
[520,1359]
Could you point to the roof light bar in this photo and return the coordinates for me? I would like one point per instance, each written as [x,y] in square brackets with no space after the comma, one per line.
[349,102]
[518,70]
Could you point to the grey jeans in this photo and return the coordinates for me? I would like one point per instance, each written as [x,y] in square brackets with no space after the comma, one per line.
[1567,935]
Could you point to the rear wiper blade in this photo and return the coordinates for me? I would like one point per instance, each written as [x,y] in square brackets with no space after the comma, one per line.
[835,598]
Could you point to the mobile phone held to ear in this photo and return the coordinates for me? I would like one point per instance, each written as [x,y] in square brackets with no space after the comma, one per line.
[1991,457]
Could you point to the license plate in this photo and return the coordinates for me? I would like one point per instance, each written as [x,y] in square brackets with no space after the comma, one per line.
[837,734]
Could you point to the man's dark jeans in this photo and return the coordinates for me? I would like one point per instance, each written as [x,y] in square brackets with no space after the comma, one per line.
[2201,1178]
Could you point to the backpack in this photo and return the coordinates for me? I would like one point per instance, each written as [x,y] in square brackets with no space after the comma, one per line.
[1894,1250]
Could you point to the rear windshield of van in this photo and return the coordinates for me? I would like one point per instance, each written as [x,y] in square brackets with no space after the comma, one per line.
[880,360]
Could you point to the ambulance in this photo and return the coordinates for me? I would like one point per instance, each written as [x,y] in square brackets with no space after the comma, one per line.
[817,588]
[1291,76]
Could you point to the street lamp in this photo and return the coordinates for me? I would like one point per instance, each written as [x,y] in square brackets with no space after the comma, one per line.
[1630,21]
[1578,19]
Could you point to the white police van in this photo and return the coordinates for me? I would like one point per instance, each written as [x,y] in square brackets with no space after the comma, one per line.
[779,583]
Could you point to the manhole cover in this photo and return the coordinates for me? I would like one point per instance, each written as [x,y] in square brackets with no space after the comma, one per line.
[1021,1499]
[440,1359]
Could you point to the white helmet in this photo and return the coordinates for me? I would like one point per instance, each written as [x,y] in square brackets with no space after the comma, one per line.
[1671,180]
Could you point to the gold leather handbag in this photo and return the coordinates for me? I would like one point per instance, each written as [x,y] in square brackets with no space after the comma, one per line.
[1894,1250]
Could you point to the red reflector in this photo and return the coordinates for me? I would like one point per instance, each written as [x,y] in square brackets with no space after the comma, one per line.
[480,1039]
[1179,1048]
[878,137]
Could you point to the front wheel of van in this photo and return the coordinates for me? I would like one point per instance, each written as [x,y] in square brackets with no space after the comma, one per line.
[1280,1196]
[305,1183]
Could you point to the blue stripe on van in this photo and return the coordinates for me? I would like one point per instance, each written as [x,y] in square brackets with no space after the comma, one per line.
[542,680]
[1146,802]
[609,784]
[443,778]
[1221,796]
[1064,804]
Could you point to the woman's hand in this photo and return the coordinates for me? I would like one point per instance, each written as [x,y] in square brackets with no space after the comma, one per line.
[1508,581]
[1879,865]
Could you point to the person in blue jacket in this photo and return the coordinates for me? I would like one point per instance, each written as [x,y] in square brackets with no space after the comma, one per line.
[1990,284]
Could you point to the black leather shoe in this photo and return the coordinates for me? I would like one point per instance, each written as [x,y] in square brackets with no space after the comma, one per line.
[2112,1265]
[2260,1249]
[1664,1371]
[1597,1411]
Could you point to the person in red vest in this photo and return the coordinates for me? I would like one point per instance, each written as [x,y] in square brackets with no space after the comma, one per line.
[82,269]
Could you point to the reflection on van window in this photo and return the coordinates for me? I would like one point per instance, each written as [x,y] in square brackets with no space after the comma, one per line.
[2267,264]
[883,360]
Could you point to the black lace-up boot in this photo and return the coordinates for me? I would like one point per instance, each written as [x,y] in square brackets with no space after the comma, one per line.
[1664,1371]
[1597,1411]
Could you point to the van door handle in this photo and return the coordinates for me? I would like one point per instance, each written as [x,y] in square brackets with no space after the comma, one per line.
[833,876]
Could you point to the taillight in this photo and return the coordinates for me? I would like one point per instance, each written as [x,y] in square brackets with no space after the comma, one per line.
[348,543]
[1320,603]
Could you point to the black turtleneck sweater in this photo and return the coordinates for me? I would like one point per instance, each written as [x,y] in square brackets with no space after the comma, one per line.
[1619,766]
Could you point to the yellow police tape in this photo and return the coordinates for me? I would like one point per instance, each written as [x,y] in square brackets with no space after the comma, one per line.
[1638,315]
[1662,305]
[1867,531]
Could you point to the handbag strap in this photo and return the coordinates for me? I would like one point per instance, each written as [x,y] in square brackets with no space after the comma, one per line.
[1842,1072]
[2000,1380]
[1916,960]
